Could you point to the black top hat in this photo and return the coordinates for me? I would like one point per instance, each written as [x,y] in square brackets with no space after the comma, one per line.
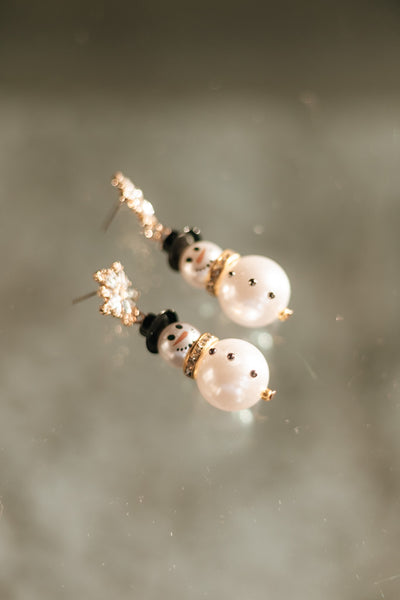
[153,325]
[177,242]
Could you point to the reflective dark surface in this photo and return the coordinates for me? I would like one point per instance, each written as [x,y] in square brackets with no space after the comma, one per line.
[276,130]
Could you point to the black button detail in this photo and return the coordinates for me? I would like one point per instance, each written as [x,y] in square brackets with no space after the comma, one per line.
[252,281]
[271,295]
[253,373]
[230,356]
[212,351]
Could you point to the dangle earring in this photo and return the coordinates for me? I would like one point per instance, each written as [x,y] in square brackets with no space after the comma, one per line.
[252,290]
[231,374]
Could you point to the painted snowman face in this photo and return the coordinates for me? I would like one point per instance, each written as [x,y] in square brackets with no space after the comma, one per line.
[175,341]
[232,375]
[196,260]
[254,291]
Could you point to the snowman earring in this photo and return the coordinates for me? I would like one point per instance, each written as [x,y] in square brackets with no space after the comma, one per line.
[231,374]
[252,290]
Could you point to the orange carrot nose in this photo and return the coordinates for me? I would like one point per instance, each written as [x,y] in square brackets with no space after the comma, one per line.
[180,338]
[200,256]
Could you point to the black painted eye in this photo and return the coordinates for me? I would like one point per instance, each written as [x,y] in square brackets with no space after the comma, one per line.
[230,356]
[196,249]
[271,295]
[212,351]
[252,281]
[231,273]
[171,337]
[179,326]
[253,373]
[189,259]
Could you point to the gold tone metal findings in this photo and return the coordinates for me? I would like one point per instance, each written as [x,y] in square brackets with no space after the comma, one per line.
[195,353]
[285,314]
[118,294]
[268,394]
[143,209]
[221,264]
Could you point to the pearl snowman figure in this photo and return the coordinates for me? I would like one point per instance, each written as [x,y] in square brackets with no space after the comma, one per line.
[196,260]
[175,341]
[253,291]
[231,374]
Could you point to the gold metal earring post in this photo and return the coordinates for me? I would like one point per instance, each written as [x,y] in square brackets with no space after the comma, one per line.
[84,297]
[111,216]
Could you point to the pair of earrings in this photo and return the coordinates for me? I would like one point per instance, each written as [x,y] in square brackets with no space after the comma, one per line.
[231,374]
[253,291]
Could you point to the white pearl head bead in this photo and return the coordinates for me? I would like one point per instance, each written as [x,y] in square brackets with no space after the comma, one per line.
[195,262]
[175,341]
[232,375]
[254,291]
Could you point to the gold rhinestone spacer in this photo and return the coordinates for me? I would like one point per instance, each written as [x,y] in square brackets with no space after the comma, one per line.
[285,314]
[268,394]
[200,346]
[218,267]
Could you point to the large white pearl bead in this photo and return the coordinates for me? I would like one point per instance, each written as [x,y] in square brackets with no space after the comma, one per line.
[175,341]
[254,291]
[195,262]
[232,375]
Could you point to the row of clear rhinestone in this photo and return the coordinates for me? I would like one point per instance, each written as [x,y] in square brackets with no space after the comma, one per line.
[217,268]
[196,351]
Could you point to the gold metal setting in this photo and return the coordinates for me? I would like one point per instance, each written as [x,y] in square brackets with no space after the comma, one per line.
[285,314]
[268,394]
[195,353]
[143,209]
[219,266]
[118,294]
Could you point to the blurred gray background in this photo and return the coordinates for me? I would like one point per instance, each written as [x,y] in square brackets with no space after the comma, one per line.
[275,127]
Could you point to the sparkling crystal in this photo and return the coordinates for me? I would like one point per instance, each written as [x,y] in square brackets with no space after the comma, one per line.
[118,294]
[138,194]
[147,208]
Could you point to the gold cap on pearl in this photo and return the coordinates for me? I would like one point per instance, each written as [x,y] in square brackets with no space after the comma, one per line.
[285,314]
[268,394]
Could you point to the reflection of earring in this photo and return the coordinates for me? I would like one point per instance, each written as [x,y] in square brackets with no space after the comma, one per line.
[231,374]
[252,290]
